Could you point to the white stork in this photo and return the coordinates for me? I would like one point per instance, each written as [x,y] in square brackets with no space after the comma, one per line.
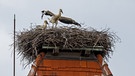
[62,19]
[44,26]
[55,18]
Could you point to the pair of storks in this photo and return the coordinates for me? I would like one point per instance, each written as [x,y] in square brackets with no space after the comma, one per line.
[55,18]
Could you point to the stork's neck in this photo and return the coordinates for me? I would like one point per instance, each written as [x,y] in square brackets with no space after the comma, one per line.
[59,13]
[45,23]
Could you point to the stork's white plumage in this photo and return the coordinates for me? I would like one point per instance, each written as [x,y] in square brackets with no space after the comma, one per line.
[55,18]
[44,26]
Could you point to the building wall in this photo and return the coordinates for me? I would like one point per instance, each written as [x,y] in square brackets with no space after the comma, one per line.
[69,68]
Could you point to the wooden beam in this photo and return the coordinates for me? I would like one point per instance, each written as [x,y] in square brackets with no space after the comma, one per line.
[96,48]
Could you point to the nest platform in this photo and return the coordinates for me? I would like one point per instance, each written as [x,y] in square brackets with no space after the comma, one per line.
[30,42]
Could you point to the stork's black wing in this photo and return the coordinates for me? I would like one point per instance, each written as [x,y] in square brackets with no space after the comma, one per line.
[49,13]
[67,20]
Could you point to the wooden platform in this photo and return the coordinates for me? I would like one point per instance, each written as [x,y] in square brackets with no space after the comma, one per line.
[72,53]
[90,48]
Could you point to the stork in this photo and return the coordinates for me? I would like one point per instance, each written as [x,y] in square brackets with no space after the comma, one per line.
[62,19]
[44,26]
[55,18]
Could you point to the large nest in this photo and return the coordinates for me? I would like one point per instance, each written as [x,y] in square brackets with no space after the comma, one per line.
[29,42]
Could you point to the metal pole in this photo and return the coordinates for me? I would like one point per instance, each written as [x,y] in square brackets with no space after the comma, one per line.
[14,47]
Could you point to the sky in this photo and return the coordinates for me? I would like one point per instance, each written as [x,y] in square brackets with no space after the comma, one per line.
[118,15]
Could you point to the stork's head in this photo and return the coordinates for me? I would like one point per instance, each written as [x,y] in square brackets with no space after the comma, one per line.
[61,10]
[42,14]
[42,11]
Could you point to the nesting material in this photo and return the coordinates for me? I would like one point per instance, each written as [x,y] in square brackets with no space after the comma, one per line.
[29,42]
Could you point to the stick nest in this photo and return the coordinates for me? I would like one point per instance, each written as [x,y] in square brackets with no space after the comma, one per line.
[29,42]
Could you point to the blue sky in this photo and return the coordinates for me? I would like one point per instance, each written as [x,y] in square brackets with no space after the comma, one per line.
[118,15]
